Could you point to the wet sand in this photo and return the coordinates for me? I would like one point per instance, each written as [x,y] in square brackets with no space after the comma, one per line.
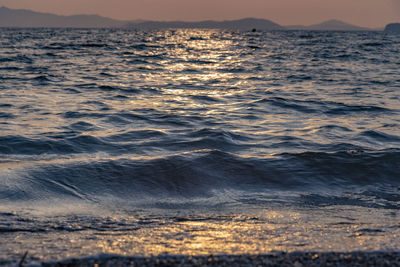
[296,259]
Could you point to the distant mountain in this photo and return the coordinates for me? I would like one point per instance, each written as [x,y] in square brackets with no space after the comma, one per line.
[393,28]
[330,25]
[28,18]
[241,24]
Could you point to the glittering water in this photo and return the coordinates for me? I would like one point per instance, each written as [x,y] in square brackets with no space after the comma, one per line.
[196,142]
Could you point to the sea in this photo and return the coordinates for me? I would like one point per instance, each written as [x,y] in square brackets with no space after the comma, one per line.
[196,142]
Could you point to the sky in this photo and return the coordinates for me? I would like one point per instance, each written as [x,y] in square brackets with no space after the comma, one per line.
[368,13]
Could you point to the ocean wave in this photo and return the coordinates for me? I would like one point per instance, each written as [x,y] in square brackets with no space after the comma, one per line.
[322,106]
[200,174]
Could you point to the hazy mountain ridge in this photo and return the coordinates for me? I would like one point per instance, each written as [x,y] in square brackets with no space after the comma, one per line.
[329,25]
[27,18]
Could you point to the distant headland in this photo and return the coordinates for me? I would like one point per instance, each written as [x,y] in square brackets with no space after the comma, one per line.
[393,28]
[31,19]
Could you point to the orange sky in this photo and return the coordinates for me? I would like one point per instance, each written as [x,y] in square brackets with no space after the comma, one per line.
[369,13]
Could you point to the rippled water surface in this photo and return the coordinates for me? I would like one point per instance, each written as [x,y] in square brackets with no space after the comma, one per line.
[197,142]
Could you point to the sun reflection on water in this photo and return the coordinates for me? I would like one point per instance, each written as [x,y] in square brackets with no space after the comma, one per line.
[260,232]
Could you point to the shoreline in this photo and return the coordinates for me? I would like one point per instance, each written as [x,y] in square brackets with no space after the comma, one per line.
[297,259]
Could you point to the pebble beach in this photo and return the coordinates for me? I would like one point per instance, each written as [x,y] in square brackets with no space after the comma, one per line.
[296,259]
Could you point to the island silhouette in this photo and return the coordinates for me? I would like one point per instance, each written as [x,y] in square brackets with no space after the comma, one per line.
[393,28]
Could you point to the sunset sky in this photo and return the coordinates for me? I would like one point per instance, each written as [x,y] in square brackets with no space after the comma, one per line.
[369,13]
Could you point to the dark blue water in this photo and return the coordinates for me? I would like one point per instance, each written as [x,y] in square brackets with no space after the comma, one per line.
[159,125]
